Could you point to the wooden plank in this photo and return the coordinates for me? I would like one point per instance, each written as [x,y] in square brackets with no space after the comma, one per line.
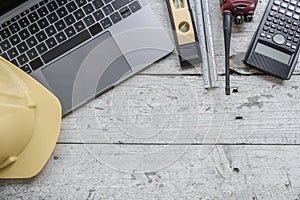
[118,172]
[176,109]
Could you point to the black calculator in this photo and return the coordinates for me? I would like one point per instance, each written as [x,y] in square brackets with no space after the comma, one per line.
[274,48]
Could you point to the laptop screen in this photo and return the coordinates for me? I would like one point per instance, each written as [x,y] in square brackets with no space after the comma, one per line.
[7,5]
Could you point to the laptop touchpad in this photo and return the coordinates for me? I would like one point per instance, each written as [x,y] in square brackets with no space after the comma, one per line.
[86,72]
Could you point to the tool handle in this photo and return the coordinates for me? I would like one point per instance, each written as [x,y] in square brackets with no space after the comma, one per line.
[227,25]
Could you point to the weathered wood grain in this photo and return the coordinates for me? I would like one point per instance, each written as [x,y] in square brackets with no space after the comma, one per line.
[176,109]
[229,172]
[154,136]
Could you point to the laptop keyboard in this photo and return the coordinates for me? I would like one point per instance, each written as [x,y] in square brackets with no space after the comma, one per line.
[52,27]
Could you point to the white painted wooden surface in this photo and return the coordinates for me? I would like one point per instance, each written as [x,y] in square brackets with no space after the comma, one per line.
[160,135]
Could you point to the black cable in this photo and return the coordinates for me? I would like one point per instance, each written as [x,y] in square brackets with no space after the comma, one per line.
[227,26]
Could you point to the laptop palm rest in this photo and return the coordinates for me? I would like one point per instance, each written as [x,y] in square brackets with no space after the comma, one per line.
[86,72]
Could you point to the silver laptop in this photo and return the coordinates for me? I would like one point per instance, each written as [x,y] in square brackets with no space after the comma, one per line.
[79,49]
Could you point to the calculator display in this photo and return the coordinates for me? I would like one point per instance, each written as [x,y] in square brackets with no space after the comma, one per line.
[272,53]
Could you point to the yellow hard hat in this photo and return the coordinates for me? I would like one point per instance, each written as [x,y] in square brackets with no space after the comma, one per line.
[30,120]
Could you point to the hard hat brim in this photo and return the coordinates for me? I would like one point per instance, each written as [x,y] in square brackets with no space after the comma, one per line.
[48,114]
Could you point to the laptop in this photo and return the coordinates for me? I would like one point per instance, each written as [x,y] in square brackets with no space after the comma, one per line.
[79,49]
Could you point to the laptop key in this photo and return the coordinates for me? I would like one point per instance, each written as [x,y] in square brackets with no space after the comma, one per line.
[52,18]
[70,31]
[60,37]
[125,12]
[79,14]
[42,11]
[41,48]
[71,6]
[117,4]
[24,34]
[98,15]
[50,31]
[35,64]
[41,36]
[79,26]
[51,43]
[12,53]
[43,23]
[88,9]
[22,47]
[5,33]
[5,45]
[62,12]
[69,19]
[26,69]
[31,42]
[22,59]
[60,25]
[34,7]
[14,40]
[66,46]
[108,9]
[33,28]
[52,6]
[62,2]
[89,21]
[98,4]
[135,6]
[115,17]
[81,3]
[25,12]
[95,29]
[24,22]
[32,54]
[6,24]
[33,17]
[106,23]
[14,28]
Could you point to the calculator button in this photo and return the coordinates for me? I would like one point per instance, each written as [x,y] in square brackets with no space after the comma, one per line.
[269,36]
[275,8]
[297,10]
[294,47]
[295,40]
[285,31]
[289,38]
[297,35]
[288,44]
[295,24]
[275,21]
[284,5]
[282,11]
[263,35]
[296,17]
[283,18]
[291,7]
[289,14]
[291,33]
[265,28]
[267,24]
[277,2]
[289,21]
[294,2]
[281,23]
[278,39]
[279,28]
